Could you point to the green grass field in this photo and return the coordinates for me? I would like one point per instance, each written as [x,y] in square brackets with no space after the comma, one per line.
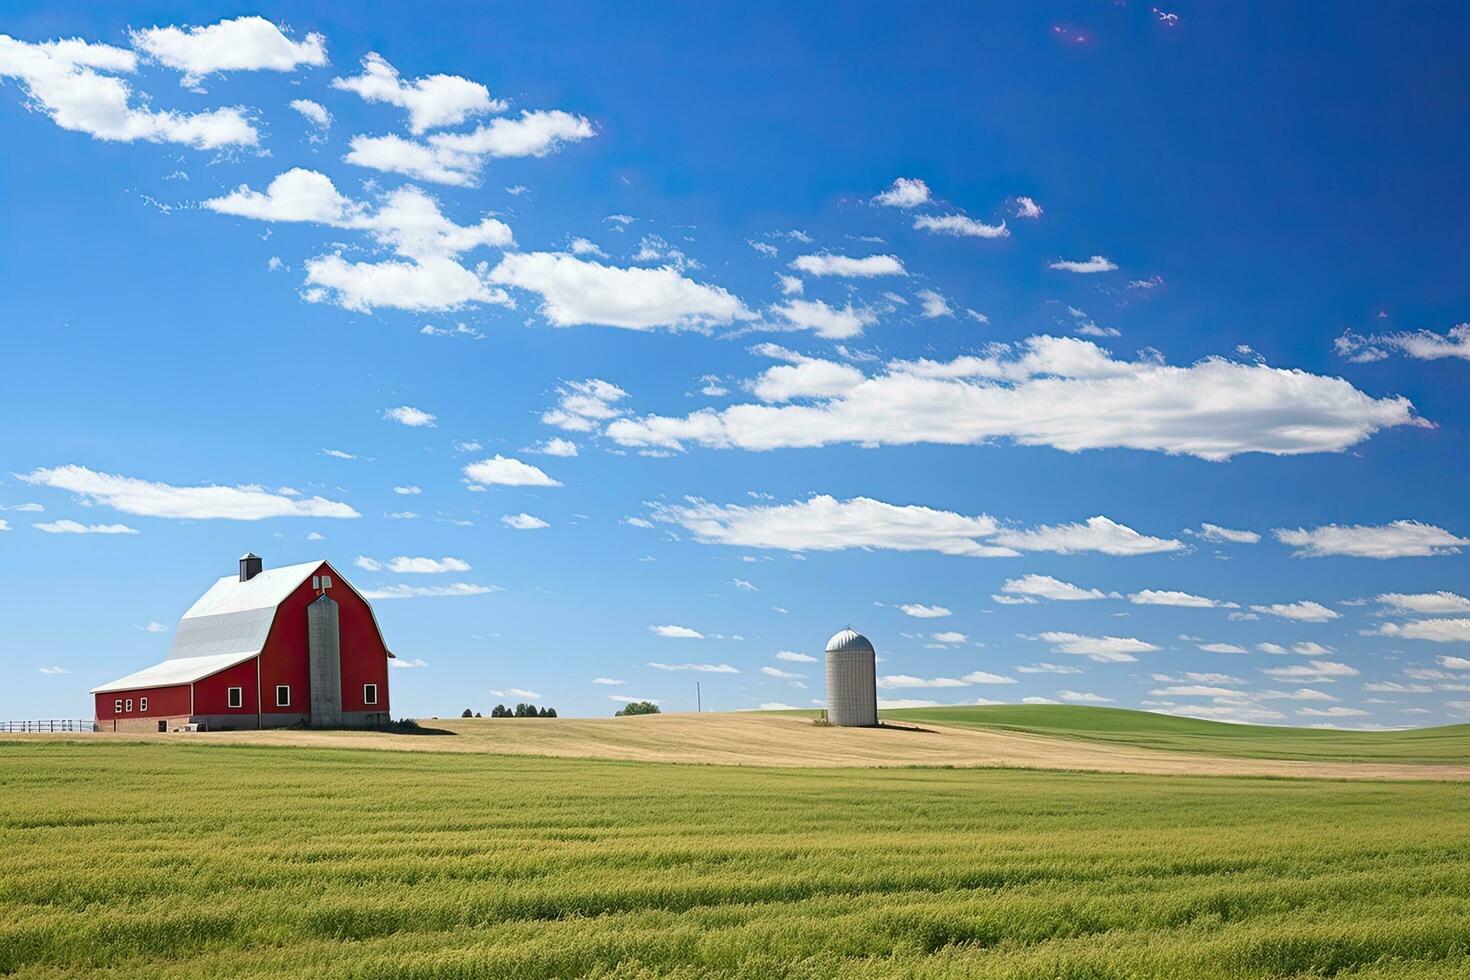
[1450,743]
[166,860]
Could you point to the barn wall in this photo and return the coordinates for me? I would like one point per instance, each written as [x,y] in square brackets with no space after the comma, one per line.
[162,702]
[212,695]
[285,657]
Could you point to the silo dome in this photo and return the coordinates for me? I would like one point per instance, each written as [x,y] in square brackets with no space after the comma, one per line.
[852,680]
[849,639]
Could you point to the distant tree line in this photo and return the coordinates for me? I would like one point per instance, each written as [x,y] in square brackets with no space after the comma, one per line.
[522,710]
[637,708]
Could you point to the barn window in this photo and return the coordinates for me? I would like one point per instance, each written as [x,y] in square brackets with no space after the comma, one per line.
[235,697]
[142,704]
[283,695]
[129,704]
[117,706]
[370,694]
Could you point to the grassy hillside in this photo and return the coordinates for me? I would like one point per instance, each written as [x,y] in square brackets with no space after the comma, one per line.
[1450,743]
[185,860]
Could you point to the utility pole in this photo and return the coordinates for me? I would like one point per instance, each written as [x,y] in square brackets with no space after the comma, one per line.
[698,699]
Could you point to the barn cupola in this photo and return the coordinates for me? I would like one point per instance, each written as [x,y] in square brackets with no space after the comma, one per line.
[249,566]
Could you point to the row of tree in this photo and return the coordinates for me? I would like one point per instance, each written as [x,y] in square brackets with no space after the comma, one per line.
[638,708]
[519,711]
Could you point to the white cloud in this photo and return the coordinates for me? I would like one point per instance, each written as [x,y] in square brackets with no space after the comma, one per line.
[697,668]
[827,264]
[1394,687]
[1224,535]
[960,225]
[608,681]
[948,636]
[1336,711]
[1044,668]
[906,192]
[1085,266]
[410,416]
[791,656]
[1454,663]
[401,663]
[807,378]
[423,285]
[66,80]
[934,304]
[676,632]
[577,291]
[1222,648]
[1165,597]
[409,491]
[1195,691]
[784,675]
[508,472]
[1424,345]
[340,454]
[1062,392]
[1435,630]
[921,611]
[554,447]
[516,692]
[1304,611]
[418,566]
[150,499]
[154,627]
[28,508]
[1103,649]
[1319,670]
[891,682]
[1083,697]
[314,112]
[457,158]
[1099,534]
[823,523]
[423,591]
[744,585]
[72,527]
[242,44]
[1046,587]
[790,285]
[1431,603]
[523,522]
[52,670]
[1397,539]
[826,321]
[432,102]
[584,405]
[1026,208]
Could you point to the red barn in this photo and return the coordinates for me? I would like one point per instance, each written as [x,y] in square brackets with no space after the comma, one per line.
[262,649]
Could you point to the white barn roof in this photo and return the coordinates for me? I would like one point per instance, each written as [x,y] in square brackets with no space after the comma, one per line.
[181,670]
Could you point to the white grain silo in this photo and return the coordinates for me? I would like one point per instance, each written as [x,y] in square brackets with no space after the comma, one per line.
[852,682]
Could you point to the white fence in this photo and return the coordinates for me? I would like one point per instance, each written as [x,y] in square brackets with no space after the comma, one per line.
[50,725]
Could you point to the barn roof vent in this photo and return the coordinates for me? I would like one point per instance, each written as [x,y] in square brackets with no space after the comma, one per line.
[249,566]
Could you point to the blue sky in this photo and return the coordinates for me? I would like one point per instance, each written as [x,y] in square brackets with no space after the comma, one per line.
[1088,352]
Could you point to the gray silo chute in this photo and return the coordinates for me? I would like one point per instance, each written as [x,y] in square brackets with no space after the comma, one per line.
[324,646]
[852,680]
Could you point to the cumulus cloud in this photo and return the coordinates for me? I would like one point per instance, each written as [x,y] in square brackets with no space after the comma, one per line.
[578,291]
[314,112]
[823,320]
[1062,392]
[792,656]
[934,304]
[784,675]
[1397,539]
[429,591]
[431,284]
[241,44]
[1046,587]
[1216,534]
[507,471]
[846,266]
[1166,597]
[1432,603]
[523,522]
[1424,345]
[1304,611]
[431,102]
[457,158]
[405,565]
[73,527]
[410,416]
[583,406]
[906,192]
[554,447]
[1085,266]
[697,668]
[75,83]
[921,611]
[1082,697]
[1317,670]
[805,378]
[1103,649]
[959,225]
[824,523]
[1025,207]
[1222,648]
[147,498]
[675,632]
[1435,630]
[890,682]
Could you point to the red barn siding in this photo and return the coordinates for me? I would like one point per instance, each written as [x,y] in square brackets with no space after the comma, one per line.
[212,694]
[163,702]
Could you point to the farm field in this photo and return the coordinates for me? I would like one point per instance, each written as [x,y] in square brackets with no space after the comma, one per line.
[136,858]
[1144,729]
[940,737]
